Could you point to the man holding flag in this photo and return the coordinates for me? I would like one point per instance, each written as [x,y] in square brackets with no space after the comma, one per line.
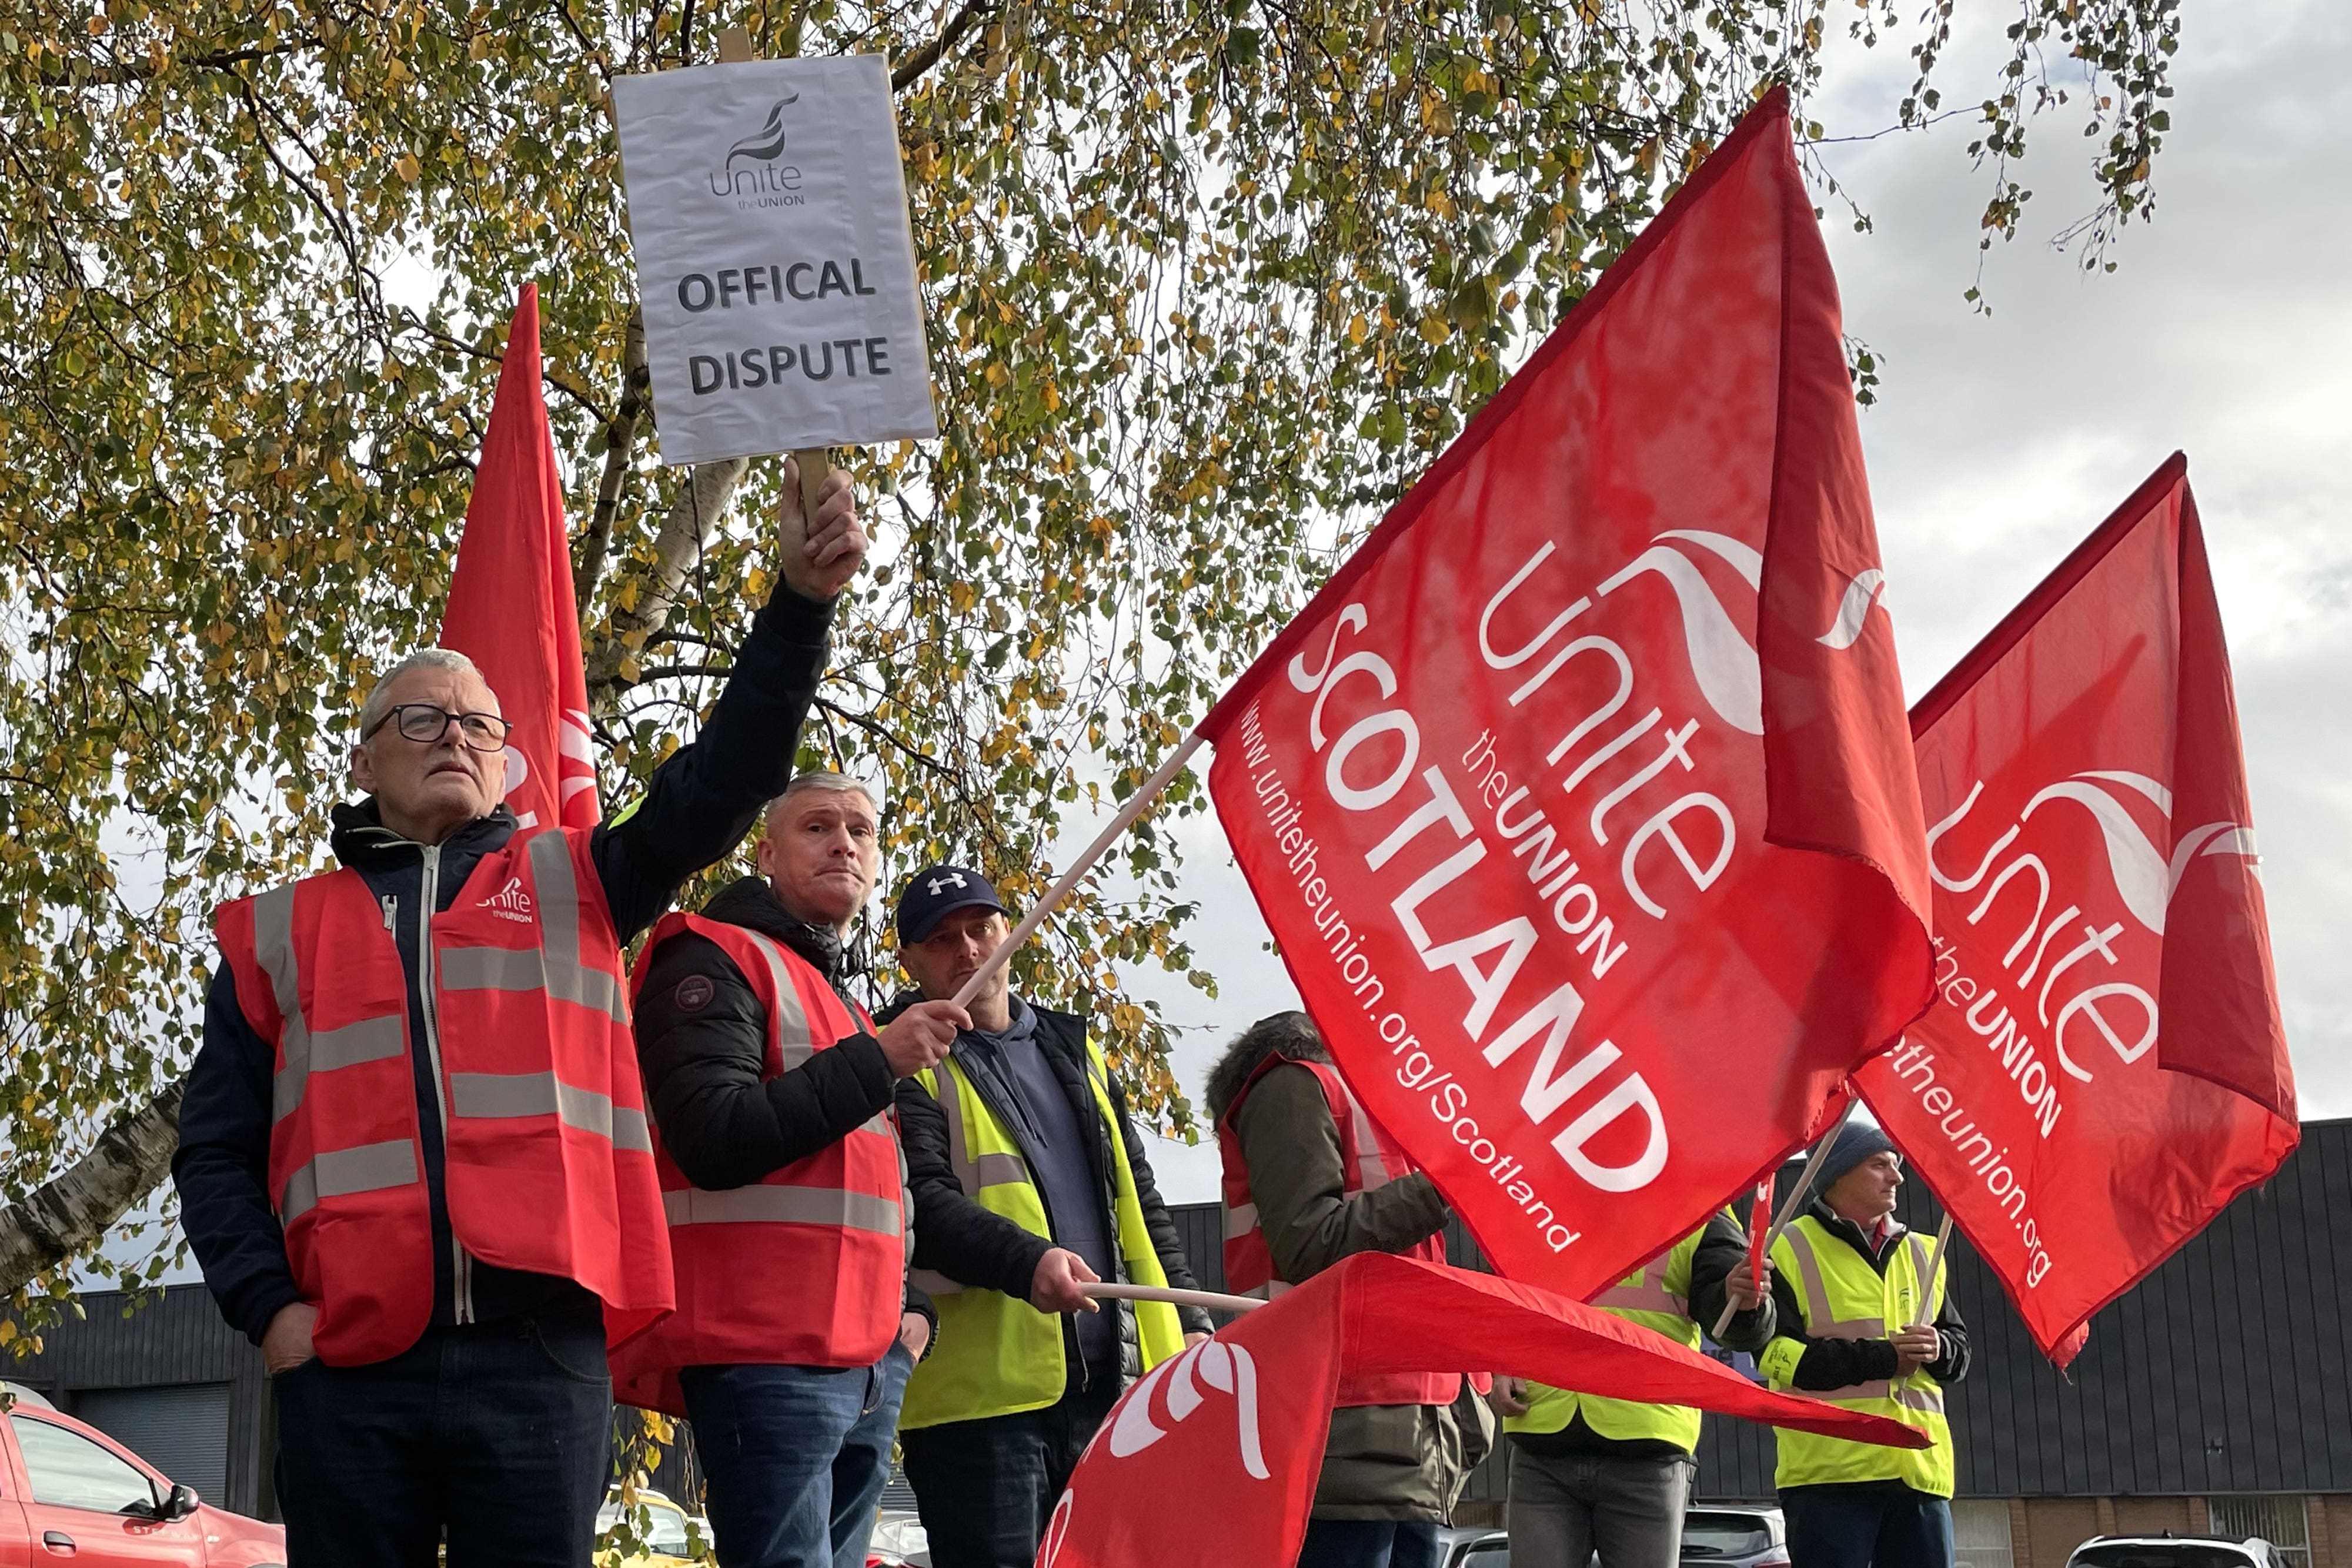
[1863,1326]
[1612,1475]
[413,1159]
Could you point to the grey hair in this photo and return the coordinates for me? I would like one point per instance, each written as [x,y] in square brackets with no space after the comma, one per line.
[380,698]
[819,778]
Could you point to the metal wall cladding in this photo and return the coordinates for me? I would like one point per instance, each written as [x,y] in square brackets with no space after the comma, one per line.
[2227,1370]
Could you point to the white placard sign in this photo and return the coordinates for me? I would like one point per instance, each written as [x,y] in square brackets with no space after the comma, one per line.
[775,260]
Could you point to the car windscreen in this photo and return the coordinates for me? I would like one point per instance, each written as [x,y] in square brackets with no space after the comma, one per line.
[2162,1554]
[668,1532]
[1706,1535]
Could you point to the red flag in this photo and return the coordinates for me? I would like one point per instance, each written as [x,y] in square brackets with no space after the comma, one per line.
[510,605]
[1242,1418]
[1502,788]
[1759,1231]
[2094,862]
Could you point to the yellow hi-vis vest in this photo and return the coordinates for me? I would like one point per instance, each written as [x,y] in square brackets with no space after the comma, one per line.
[1657,1297]
[1845,1298]
[997,1355]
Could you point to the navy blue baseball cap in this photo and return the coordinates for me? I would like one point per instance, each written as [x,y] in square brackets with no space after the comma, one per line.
[938,892]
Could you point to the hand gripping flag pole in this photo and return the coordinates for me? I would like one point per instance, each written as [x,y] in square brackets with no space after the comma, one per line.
[1789,1209]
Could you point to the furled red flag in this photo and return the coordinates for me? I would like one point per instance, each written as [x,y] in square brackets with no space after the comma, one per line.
[510,605]
[1759,1231]
[1242,1418]
[1580,799]
[2107,1068]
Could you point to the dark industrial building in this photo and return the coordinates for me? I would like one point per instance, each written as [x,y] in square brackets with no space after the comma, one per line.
[2217,1396]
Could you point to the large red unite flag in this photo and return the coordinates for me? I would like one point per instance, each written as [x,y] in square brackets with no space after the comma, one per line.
[511,609]
[1580,801]
[1239,1422]
[2106,1069]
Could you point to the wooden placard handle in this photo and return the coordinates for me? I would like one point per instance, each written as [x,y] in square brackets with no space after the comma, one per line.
[815,462]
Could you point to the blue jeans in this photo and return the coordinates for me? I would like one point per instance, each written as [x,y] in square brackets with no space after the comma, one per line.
[795,1457]
[498,1435]
[1871,1524]
[1368,1543]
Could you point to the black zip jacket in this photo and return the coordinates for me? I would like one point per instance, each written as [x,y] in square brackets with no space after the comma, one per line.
[956,1237]
[696,807]
[702,1042]
[1837,1363]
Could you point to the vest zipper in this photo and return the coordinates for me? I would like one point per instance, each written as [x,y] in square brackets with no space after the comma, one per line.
[462,1268]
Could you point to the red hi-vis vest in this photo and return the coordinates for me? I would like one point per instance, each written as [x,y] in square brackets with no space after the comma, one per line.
[548,1163]
[1369,1158]
[805,1267]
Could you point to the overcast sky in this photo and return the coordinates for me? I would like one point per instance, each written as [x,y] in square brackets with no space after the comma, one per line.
[1999,441]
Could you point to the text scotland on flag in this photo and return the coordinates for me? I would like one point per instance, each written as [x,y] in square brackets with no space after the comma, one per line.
[1243,1418]
[1502,788]
[2105,1067]
[775,266]
[510,607]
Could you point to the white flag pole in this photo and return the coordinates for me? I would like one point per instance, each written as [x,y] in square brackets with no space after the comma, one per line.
[1207,1300]
[1788,1207]
[1936,1261]
[1136,806]
[1935,1266]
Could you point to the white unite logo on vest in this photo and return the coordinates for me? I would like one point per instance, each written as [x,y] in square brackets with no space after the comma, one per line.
[510,902]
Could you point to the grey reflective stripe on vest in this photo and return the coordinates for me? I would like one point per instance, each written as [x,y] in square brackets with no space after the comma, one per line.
[555,967]
[339,1173]
[1648,1294]
[971,1174]
[1370,1170]
[491,969]
[302,1053]
[494,1096]
[1925,1397]
[784,1206]
[1240,1220]
[906,1191]
[1911,1396]
[931,1282]
[1821,1320]
[788,1023]
[1919,1274]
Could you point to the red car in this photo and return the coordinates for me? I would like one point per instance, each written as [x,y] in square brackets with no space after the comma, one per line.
[70,1493]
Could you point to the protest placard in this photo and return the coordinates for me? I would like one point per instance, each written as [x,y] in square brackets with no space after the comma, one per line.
[775,266]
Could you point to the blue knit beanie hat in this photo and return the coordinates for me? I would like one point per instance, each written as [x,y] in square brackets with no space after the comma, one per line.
[1856,1142]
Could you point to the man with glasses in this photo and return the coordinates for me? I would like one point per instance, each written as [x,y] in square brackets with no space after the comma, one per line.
[413,1159]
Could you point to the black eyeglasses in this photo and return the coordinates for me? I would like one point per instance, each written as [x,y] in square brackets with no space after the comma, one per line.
[425,724]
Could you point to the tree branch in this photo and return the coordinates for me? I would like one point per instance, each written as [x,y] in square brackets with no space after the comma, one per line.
[459,346]
[883,732]
[911,69]
[701,502]
[125,73]
[65,1217]
[620,447]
